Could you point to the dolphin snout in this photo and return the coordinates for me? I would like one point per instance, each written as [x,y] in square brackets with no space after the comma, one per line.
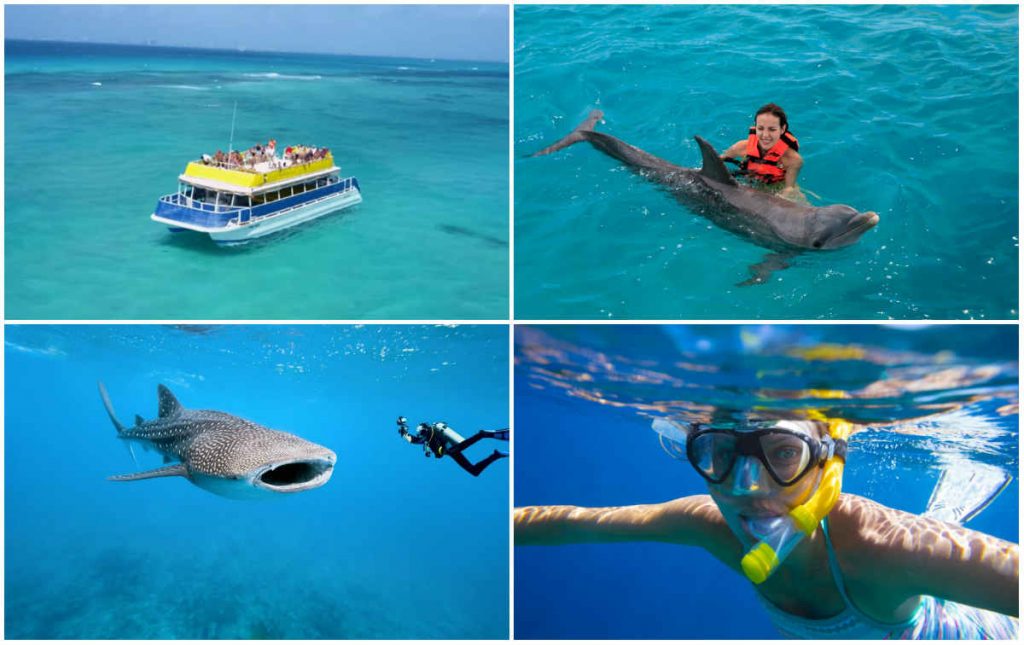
[870,219]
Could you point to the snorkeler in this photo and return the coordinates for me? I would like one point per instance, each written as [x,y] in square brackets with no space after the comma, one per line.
[439,440]
[769,156]
[826,565]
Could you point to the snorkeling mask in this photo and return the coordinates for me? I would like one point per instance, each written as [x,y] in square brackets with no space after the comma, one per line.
[788,456]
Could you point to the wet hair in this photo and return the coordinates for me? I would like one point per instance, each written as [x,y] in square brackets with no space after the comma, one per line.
[775,110]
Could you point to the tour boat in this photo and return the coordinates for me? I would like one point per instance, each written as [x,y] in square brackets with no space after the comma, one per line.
[239,197]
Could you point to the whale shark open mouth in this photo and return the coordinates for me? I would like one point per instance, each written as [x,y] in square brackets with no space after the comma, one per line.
[295,476]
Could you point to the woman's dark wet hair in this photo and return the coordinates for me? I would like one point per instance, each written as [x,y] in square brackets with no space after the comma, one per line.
[774,109]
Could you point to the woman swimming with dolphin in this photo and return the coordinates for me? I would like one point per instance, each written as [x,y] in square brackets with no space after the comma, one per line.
[769,156]
[825,564]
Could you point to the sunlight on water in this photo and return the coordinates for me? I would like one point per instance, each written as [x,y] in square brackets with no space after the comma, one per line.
[904,389]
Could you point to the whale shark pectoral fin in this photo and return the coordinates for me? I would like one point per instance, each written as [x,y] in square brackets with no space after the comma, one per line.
[168,403]
[176,470]
[762,271]
[577,135]
[713,166]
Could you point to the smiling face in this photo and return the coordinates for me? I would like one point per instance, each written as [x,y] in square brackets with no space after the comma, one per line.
[749,492]
[769,129]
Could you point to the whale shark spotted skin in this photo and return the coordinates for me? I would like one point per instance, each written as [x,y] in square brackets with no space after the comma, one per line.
[222,453]
[785,227]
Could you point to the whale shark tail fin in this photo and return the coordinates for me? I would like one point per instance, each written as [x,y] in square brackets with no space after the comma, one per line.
[577,135]
[110,408]
[714,168]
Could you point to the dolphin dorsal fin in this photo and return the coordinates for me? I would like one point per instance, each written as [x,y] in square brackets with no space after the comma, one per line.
[713,167]
[169,405]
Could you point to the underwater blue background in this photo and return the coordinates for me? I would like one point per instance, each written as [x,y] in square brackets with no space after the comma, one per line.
[910,111]
[393,546]
[96,134]
[584,399]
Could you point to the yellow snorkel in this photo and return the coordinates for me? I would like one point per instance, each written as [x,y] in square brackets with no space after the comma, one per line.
[779,535]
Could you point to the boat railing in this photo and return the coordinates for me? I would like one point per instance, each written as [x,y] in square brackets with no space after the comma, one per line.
[245,215]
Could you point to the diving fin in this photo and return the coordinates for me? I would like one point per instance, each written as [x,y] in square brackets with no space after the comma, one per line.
[964,490]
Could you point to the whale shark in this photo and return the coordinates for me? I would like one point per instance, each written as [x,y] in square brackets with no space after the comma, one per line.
[222,453]
[784,227]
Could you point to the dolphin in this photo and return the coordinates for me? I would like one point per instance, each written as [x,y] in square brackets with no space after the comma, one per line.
[222,453]
[785,227]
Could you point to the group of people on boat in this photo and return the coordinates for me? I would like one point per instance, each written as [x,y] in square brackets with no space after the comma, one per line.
[264,153]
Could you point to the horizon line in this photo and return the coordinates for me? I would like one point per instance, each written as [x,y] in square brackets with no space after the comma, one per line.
[237,50]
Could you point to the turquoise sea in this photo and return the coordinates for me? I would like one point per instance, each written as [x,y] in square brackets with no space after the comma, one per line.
[393,546]
[95,134]
[910,111]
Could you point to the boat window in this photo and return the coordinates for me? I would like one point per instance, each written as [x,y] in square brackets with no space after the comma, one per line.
[286,192]
[311,185]
[298,188]
[258,199]
[320,183]
[241,200]
[223,199]
[272,197]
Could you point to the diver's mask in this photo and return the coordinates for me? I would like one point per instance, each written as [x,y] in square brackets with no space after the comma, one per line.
[787,455]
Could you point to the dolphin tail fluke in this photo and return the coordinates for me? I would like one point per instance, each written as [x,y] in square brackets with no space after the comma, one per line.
[110,408]
[175,470]
[762,271]
[577,135]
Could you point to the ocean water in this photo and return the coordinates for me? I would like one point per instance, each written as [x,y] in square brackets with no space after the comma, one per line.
[933,399]
[393,546]
[910,111]
[95,134]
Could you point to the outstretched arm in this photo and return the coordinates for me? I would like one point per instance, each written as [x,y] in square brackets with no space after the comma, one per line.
[793,163]
[735,151]
[689,520]
[910,555]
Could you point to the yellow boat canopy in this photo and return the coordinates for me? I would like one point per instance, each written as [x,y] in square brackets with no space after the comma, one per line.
[252,178]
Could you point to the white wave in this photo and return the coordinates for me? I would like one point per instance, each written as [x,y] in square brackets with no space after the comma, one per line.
[186,87]
[288,77]
[403,67]
[38,351]
[97,83]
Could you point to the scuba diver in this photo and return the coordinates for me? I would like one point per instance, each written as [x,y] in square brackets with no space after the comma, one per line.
[768,158]
[825,564]
[440,440]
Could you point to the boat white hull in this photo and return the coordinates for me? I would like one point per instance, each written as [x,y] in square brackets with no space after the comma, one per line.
[245,232]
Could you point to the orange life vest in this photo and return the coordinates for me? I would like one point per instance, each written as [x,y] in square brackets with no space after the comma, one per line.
[767,169]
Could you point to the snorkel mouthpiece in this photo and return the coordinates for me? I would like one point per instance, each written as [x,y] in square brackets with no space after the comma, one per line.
[779,535]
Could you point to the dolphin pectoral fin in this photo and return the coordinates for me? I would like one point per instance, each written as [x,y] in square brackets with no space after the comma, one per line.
[176,470]
[577,135]
[713,166]
[762,271]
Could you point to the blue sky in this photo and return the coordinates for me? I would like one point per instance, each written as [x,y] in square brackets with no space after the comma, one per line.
[473,32]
